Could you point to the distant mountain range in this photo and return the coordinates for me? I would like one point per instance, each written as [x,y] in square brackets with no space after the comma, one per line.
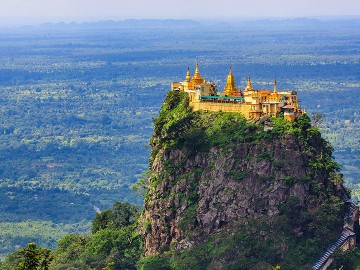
[131,23]
[266,24]
[288,23]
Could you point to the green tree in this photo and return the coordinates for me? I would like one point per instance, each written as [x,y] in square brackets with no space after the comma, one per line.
[70,249]
[101,221]
[109,266]
[344,260]
[120,246]
[142,184]
[155,262]
[123,214]
[34,258]
[337,179]
[97,249]
[317,119]
[11,262]
[114,239]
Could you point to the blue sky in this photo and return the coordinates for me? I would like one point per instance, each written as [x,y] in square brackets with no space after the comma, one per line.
[85,10]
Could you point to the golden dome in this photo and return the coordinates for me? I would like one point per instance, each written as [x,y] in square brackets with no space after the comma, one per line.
[197,79]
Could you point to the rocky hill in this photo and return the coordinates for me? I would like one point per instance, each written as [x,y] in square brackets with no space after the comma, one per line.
[225,193]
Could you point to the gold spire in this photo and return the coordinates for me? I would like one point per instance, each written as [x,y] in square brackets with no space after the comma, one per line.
[275,91]
[303,111]
[197,77]
[296,104]
[188,77]
[248,86]
[230,88]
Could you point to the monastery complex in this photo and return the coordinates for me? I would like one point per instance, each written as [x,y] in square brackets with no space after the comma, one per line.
[251,103]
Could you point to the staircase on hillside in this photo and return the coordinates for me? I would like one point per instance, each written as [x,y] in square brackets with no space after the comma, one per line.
[347,237]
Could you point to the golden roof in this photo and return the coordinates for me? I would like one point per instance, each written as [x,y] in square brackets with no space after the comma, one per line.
[265,92]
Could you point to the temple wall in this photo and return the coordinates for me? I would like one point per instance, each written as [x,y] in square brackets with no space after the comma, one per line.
[222,107]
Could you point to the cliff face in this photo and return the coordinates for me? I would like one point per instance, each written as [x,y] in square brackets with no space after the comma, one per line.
[214,173]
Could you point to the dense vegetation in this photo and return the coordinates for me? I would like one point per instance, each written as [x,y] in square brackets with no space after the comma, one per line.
[114,242]
[76,108]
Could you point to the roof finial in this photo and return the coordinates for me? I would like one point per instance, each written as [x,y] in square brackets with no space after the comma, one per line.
[188,76]
[248,86]
[275,91]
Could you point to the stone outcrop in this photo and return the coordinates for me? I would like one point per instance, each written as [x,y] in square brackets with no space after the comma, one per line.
[213,173]
[221,187]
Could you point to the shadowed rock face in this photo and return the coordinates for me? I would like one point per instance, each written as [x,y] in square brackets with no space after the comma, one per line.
[192,196]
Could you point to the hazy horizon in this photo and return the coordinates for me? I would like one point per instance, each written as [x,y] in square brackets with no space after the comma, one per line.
[32,21]
[22,12]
